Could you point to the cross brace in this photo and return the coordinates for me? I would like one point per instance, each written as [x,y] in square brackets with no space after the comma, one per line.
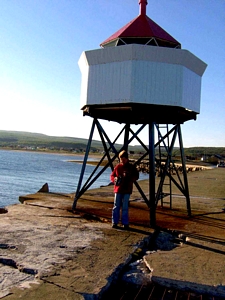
[129,136]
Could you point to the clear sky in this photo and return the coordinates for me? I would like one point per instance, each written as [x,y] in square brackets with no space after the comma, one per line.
[41,43]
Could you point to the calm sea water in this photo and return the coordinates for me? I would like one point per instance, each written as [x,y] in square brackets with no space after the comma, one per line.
[23,173]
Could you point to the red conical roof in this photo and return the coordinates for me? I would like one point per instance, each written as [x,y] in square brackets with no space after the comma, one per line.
[142,27]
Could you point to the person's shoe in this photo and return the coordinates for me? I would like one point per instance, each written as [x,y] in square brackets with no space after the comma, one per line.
[126,227]
[114,226]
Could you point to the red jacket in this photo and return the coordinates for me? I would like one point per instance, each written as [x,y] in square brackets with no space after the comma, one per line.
[128,174]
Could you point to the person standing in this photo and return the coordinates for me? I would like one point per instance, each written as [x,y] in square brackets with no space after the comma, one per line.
[123,176]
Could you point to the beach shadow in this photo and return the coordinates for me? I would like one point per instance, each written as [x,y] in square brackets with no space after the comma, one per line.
[205,248]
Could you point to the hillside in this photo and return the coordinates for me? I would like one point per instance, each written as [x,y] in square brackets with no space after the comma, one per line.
[37,141]
[19,140]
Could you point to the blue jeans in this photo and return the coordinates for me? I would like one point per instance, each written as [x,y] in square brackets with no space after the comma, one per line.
[120,200]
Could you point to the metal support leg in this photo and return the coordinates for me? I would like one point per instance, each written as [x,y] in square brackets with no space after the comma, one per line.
[152,175]
[186,189]
[84,165]
[126,136]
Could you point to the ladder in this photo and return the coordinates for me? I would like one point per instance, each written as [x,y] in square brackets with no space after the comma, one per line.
[163,147]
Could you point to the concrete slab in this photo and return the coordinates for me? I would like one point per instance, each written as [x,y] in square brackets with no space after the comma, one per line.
[48,252]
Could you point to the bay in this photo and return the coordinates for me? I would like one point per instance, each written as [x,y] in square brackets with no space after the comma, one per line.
[23,173]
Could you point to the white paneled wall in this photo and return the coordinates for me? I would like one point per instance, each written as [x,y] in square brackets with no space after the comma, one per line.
[141,74]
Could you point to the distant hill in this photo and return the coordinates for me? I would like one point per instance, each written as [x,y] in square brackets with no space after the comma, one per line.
[218,152]
[37,141]
[41,142]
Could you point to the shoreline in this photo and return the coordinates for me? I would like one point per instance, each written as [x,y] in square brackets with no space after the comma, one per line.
[98,155]
[52,152]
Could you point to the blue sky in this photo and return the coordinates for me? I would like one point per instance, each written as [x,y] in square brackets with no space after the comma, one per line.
[41,43]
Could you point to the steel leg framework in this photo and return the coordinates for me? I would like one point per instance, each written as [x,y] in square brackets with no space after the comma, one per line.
[155,194]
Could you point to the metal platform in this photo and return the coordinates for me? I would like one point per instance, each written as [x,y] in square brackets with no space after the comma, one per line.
[140,113]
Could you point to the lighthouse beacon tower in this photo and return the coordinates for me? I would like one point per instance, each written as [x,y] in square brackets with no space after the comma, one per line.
[141,73]
[142,76]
